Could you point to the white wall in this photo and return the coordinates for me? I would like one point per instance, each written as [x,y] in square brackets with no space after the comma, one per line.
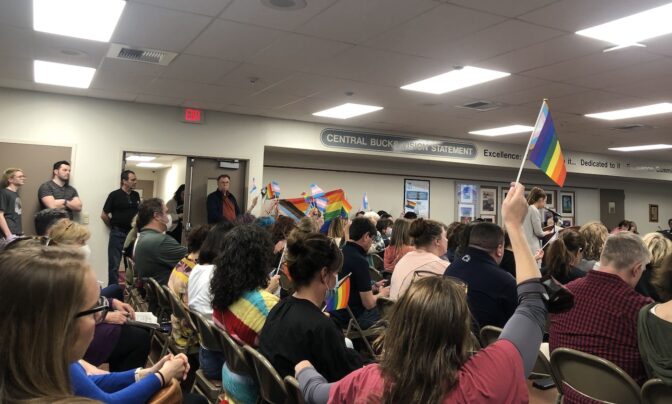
[99,131]
[171,178]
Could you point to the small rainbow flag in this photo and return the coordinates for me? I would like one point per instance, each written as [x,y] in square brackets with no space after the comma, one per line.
[411,204]
[544,148]
[339,300]
[272,190]
[365,202]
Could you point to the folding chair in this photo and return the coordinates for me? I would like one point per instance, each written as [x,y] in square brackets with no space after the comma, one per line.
[211,389]
[354,331]
[378,262]
[489,334]
[655,391]
[164,309]
[181,313]
[272,388]
[294,394]
[594,377]
[375,275]
[234,355]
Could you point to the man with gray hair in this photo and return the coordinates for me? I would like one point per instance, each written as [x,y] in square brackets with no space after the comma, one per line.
[603,321]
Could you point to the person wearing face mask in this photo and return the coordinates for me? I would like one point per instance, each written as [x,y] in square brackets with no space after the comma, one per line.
[296,328]
[156,253]
[384,227]
[492,294]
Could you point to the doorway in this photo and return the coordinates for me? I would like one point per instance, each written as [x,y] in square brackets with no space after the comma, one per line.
[612,207]
[202,180]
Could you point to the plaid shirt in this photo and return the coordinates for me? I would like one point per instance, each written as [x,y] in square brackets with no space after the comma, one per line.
[603,322]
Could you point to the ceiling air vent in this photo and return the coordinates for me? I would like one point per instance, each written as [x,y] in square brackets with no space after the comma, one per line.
[633,126]
[145,55]
[481,106]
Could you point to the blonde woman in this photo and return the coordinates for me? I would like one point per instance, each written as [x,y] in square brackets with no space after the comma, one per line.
[660,248]
[10,205]
[595,234]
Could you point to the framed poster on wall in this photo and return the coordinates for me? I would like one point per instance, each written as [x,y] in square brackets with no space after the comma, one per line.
[566,203]
[416,197]
[488,201]
[550,198]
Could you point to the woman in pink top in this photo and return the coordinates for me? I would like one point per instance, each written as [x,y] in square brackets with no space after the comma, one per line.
[400,244]
[429,238]
[426,355]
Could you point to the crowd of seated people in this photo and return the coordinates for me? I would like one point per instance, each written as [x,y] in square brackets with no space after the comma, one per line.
[446,281]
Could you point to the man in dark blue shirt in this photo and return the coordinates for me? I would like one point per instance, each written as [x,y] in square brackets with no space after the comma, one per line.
[362,302]
[491,291]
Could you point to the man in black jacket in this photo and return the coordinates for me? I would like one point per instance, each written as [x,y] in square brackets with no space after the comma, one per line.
[221,203]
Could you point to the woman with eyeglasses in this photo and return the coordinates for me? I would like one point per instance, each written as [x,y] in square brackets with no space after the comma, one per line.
[426,356]
[296,328]
[564,255]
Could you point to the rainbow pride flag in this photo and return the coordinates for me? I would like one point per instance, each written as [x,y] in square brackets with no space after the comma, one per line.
[339,300]
[334,203]
[544,147]
[272,190]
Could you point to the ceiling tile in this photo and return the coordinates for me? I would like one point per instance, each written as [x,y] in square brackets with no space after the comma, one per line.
[254,77]
[155,99]
[254,12]
[194,91]
[627,75]
[381,67]
[232,40]
[158,28]
[67,50]
[554,50]
[590,102]
[108,78]
[575,15]
[20,69]
[496,40]
[131,68]
[501,86]
[16,42]
[508,8]
[652,90]
[16,13]
[14,83]
[198,69]
[206,7]
[267,100]
[355,21]
[549,90]
[298,52]
[429,34]
[591,64]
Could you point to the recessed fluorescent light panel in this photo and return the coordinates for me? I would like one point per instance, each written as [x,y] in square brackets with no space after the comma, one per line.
[655,109]
[59,74]
[454,80]
[140,158]
[627,31]
[149,165]
[348,110]
[87,19]
[642,147]
[504,130]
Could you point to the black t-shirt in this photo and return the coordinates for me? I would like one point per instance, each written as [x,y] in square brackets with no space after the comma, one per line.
[355,263]
[296,330]
[122,207]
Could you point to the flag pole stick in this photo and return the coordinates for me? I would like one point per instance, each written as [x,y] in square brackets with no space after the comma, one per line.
[527,149]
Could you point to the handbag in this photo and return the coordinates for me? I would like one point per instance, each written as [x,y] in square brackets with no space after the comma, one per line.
[170,394]
[558,298]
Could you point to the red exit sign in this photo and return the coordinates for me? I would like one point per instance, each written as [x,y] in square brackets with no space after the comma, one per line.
[192,115]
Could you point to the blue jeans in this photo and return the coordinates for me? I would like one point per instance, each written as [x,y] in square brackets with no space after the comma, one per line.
[211,363]
[114,247]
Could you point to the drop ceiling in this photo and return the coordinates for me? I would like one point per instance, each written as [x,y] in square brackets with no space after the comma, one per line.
[243,57]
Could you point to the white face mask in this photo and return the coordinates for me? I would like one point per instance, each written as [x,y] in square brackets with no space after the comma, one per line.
[169,225]
[86,250]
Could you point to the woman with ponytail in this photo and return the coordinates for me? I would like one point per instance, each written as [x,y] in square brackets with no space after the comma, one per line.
[296,328]
[563,255]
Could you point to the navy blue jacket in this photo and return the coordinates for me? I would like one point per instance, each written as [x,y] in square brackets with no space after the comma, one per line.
[214,204]
[491,294]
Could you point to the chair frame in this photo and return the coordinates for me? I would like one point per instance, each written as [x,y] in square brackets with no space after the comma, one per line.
[265,370]
[652,388]
[562,357]
[294,394]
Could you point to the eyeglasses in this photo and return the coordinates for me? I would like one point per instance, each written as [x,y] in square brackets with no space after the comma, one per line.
[99,311]
[44,240]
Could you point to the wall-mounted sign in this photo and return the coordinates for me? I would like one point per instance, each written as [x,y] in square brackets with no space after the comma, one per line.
[396,144]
